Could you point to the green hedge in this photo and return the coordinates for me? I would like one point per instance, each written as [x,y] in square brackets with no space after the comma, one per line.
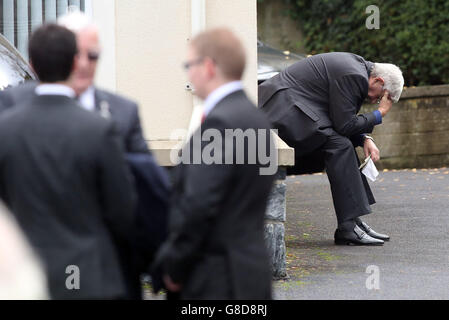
[413,34]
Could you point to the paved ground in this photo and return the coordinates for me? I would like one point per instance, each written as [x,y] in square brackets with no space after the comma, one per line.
[412,207]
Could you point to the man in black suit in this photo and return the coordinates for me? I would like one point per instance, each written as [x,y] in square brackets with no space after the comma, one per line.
[149,226]
[314,104]
[216,247]
[121,110]
[63,175]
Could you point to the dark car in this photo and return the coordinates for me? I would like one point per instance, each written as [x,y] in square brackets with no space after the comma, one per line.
[271,61]
[13,67]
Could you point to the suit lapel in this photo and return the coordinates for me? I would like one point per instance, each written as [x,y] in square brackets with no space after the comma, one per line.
[102,106]
[97,96]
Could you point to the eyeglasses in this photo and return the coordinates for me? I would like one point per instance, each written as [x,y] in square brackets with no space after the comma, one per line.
[187,65]
[93,55]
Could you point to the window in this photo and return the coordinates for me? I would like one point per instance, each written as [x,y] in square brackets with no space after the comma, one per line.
[19,17]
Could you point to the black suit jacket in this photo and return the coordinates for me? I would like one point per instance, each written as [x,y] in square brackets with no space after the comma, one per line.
[123,112]
[216,245]
[63,175]
[150,224]
[328,89]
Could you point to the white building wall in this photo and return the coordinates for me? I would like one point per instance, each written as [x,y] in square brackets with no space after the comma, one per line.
[103,14]
[144,44]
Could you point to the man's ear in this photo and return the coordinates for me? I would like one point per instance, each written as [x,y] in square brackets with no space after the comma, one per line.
[380,80]
[211,67]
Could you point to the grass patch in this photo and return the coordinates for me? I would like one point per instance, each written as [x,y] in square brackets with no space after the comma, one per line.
[327,256]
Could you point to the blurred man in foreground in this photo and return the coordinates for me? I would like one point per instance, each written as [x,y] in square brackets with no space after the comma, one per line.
[119,109]
[63,175]
[216,247]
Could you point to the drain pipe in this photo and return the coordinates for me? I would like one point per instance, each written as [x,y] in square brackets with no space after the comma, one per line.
[198,16]
[198,24]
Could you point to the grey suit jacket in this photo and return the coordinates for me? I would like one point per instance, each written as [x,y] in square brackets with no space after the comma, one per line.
[328,89]
[123,112]
[216,246]
[14,95]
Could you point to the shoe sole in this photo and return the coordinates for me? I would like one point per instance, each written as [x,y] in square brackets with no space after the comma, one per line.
[380,238]
[349,243]
[383,239]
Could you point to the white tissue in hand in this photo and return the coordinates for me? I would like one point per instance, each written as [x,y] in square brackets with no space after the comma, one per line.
[370,170]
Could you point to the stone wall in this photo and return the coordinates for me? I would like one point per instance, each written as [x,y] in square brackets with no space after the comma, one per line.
[275,218]
[276,28]
[415,133]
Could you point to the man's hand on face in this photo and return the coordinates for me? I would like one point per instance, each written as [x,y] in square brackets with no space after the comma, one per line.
[370,148]
[385,104]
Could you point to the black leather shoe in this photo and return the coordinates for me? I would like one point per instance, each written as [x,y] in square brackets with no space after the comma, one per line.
[373,233]
[356,237]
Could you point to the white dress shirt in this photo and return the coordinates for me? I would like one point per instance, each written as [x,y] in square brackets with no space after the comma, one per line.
[219,94]
[87,99]
[54,89]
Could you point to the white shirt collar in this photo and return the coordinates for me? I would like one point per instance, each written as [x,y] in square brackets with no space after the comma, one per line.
[218,94]
[54,89]
[87,99]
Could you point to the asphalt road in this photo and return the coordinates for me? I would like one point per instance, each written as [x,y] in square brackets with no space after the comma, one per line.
[412,207]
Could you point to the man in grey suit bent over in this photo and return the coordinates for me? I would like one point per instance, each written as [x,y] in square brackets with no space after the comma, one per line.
[314,104]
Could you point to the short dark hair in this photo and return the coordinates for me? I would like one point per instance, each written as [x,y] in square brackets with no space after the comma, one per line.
[52,49]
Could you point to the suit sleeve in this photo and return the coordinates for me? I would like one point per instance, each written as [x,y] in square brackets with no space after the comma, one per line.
[358,140]
[203,191]
[6,100]
[346,95]
[135,141]
[115,184]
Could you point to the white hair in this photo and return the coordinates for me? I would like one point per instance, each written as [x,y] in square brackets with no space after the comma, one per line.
[75,21]
[392,76]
